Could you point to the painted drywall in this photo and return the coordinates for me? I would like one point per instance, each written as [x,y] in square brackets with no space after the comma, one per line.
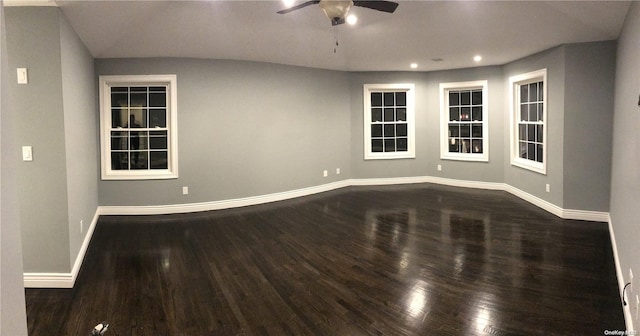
[33,42]
[362,168]
[244,129]
[528,181]
[428,127]
[491,171]
[625,171]
[588,123]
[81,144]
[13,319]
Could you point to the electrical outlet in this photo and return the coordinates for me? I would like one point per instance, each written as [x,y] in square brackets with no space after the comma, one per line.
[630,281]
[548,187]
[337,171]
[81,226]
[439,167]
[185,190]
[325,173]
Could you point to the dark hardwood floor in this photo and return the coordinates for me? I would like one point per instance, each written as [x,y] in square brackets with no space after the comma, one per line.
[395,260]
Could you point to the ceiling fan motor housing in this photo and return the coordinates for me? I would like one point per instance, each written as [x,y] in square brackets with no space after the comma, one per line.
[336,10]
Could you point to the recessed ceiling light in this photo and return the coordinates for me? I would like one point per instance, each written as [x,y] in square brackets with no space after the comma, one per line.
[477,58]
[352,19]
[288,3]
[413,65]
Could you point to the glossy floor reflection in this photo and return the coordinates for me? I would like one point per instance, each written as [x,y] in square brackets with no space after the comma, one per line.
[395,260]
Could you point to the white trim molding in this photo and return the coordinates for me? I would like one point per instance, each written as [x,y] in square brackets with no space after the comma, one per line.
[30,3]
[409,89]
[67,280]
[219,205]
[63,280]
[626,310]
[106,83]
[514,116]
[586,215]
[468,118]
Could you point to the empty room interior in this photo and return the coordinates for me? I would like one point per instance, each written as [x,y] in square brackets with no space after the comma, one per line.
[322,167]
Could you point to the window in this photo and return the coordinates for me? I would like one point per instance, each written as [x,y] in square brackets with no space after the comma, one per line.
[463,121]
[389,121]
[139,127]
[529,121]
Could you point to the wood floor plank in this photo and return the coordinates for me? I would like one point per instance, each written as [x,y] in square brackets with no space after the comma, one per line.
[392,260]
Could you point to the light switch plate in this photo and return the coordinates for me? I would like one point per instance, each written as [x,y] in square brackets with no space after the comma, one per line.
[23,78]
[27,153]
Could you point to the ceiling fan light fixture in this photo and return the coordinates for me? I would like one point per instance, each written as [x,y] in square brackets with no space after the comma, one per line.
[352,19]
[336,10]
[288,3]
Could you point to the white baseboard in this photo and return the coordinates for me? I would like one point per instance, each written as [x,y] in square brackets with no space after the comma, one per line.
[67,280]
[219,205]
[63,280]
[625,309]
[48,280]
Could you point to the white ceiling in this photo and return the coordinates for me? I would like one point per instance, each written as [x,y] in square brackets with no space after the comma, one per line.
[419,31]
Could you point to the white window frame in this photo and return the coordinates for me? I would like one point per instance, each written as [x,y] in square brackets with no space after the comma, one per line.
[444,120]
[106,82]
[514,101]
[410,90]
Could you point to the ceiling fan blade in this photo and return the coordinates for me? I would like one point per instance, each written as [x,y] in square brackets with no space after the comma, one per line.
[302,5]
[383,6]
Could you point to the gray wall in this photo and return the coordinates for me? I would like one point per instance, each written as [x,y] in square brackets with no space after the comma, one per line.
[579,107]
[33,41]
[244,129]
[222,171]
[428,127]
[81,143]
[13,320]
[55,114]
[588,119]
[531,182]
[625,181]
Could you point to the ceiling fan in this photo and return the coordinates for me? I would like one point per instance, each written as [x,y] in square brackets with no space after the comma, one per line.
[337,10]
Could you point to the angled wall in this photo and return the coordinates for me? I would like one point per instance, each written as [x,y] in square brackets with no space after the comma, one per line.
[13,319]
[625,174]
[428,127]
[588,123]
[33,42]
[528,181]
[53,113]
[81,144]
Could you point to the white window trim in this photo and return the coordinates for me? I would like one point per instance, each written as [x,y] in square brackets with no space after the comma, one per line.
[444,121]
[514,101]
[106,82]
[411,151]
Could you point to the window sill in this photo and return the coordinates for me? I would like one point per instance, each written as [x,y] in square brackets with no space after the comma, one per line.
[466,157]
[539,168]
[389,156]
[142,175]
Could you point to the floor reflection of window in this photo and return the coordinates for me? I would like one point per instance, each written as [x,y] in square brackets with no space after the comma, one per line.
[466,228]
[391,227]
[470,236]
